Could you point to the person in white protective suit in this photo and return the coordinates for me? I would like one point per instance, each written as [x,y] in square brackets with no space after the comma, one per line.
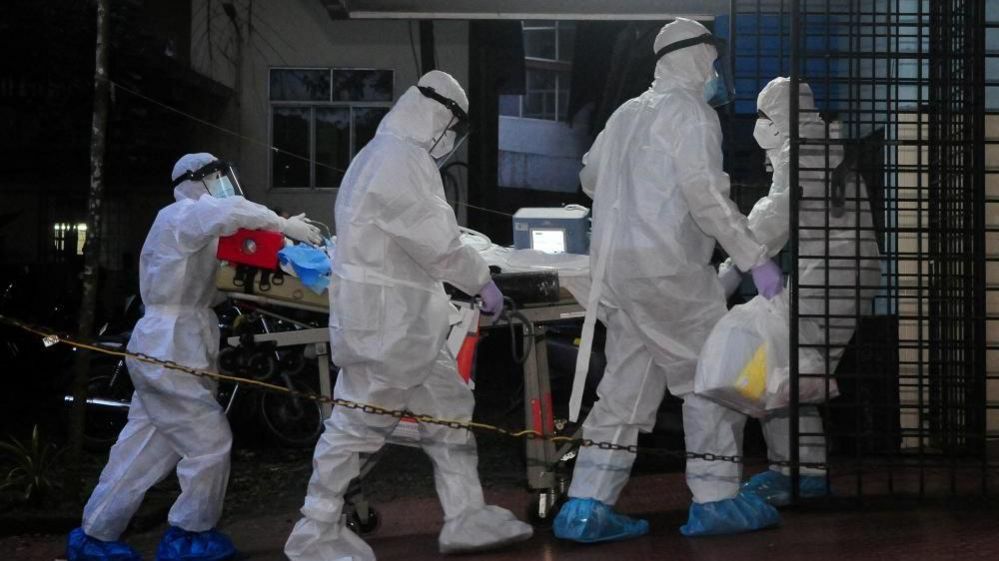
[397,240]
[660,202]
[851,262]
[174,420]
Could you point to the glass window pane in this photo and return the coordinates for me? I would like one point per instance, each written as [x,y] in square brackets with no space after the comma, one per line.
[509,105]
[539,43]
[550,106]
[300,85]
[566,40]
[540,79]
[362,85]
[290,135]
[332,145]
[366,120]
[534,105]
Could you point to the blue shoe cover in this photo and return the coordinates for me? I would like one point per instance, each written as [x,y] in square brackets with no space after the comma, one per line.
[180,545]
[591,521]
[81,547]
[744,513]
[775,487]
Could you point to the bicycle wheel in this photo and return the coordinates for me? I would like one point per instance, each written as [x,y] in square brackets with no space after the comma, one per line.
[291,421]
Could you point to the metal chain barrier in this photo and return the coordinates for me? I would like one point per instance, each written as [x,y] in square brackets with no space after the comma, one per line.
[50,338]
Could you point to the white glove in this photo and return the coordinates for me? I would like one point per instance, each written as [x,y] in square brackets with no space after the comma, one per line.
[730,277]
[298,229]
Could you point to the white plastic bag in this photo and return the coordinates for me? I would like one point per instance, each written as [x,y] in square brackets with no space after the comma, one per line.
[745,362]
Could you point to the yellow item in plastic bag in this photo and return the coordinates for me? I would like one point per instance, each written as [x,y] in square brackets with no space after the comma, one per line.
[752,381]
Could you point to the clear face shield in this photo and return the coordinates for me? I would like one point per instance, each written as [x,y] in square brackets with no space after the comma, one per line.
[456,131]
[218,177]
[720,89]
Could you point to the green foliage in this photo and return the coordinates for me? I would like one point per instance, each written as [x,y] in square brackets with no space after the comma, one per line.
[33,474]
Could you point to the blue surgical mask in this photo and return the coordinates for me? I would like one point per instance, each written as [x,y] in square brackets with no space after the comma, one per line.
[717,91]
[219,186]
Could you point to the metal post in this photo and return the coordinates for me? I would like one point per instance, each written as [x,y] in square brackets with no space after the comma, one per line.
[976,167]
[322,359]
[795,195]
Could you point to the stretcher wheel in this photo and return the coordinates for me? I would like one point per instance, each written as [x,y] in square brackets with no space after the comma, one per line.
[261,365]
[293,363]
[364,527]
[229,359]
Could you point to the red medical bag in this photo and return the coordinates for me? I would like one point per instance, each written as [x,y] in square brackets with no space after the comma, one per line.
[256,248]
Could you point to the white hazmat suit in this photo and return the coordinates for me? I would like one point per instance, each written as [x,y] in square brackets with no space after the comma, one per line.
[851,262]
[660,202]
[397,240]
[174,420]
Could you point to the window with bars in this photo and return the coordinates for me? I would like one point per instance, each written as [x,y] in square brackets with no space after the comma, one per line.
[548,52]
[68,238]
[321,118]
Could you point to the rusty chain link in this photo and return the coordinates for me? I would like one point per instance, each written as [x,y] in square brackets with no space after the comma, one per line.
[50,338]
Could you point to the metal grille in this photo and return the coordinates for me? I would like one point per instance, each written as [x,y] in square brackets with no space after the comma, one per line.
[912,346]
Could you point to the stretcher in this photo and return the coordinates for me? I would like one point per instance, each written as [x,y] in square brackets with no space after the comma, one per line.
[543,457]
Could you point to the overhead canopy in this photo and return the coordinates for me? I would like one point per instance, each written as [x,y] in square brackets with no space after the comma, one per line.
[527,9]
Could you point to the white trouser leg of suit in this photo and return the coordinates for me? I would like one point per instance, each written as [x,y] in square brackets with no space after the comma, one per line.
[439,392]
[811,439]
[652,344]
[629,395]
[709,427]
[174,421]
[128,475]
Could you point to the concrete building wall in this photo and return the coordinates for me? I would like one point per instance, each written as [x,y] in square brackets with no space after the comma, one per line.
[539,154]
[299,33]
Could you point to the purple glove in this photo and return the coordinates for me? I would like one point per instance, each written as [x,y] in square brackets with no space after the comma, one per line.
[768,279]
[492,300]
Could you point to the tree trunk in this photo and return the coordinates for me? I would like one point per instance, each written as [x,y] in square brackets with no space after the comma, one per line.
[92,247]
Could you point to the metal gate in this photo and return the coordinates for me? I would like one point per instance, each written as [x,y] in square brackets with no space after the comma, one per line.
[913,349]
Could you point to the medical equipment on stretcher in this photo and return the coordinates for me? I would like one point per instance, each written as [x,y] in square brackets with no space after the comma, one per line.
[529,288]
[256,248]
[552,230]
[250,267]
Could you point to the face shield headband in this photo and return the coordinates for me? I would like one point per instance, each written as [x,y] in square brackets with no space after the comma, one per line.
[459,124]
[719,90]
[218,177]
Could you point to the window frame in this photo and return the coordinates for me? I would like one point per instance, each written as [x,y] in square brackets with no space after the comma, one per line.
[561,68]
[312,106]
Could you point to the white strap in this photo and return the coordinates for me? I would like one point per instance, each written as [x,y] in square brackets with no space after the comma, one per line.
[467,323]
[590,321]
[597,271]
[354,273]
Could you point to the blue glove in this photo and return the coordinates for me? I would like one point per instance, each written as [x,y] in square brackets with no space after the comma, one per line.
[492,300]
[180,545]
[591,521]
[311,264]
[775,487]
[81,547]
[768,279]
[743,513]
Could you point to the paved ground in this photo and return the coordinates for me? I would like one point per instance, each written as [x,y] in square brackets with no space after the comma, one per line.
[895,531]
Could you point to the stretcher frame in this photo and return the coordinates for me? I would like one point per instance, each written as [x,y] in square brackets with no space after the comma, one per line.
[542,456]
